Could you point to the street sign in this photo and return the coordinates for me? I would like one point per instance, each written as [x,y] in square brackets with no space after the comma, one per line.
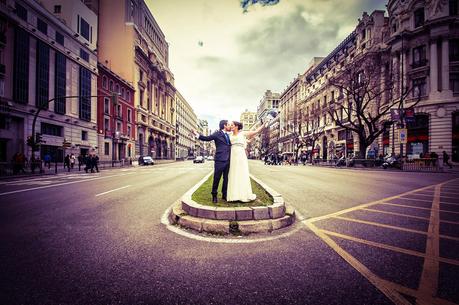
[402,135]
[409,116]
[395,114]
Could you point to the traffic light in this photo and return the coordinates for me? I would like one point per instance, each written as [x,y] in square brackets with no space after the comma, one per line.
[115,98]
[38,138]
[31,142]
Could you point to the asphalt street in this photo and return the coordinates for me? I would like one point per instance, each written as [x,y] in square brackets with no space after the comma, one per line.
[368,237]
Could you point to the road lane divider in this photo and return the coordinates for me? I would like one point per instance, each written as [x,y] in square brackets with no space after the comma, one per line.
[114,190]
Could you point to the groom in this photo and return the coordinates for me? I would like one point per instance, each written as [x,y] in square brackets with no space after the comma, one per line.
[222,157]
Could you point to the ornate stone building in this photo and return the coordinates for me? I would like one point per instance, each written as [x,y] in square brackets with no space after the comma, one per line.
[416,45]
[132,45]
[248,118]
[187,122]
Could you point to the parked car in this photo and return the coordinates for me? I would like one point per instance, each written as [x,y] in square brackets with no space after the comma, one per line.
[198,159]
[210,158]
[146,160]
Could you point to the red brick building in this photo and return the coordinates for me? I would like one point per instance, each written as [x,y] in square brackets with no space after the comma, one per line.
[116,122]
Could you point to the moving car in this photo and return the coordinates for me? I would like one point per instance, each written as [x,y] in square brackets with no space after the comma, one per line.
[198,159]
[146,160]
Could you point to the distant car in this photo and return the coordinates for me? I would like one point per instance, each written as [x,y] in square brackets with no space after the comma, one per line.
[147,160]
[210,158]
[198,159]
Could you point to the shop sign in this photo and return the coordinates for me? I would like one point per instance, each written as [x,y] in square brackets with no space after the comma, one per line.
[402,135]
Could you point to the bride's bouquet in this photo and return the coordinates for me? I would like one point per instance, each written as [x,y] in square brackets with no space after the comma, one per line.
[269,117]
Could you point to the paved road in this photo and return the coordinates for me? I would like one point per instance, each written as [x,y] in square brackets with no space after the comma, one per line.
[370,237]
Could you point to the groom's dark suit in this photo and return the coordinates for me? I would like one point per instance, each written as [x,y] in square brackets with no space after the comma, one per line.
[222,159]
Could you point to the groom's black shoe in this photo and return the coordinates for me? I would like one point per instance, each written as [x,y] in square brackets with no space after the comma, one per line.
[214,199]
[224,198]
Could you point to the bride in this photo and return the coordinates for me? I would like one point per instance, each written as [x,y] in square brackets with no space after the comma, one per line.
[239,186]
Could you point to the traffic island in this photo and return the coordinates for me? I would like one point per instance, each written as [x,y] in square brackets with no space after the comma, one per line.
[196,211]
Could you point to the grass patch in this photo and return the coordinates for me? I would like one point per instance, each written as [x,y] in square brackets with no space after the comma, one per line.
[203,196]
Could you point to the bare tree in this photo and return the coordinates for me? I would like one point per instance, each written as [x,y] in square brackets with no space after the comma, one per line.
[311,137]
[369,88]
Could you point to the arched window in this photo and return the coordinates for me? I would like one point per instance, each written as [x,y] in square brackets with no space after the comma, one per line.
[111,86]
[419,17]
[104,82]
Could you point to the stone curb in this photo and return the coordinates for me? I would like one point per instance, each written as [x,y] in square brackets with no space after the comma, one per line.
[192,208]
[223,227]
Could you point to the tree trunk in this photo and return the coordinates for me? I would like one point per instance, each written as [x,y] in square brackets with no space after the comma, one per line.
[363,149]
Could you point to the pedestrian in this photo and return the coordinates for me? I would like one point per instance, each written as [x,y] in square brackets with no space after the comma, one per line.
[266,159]
[47,159]
[33,164]
[87,162]
[94,163]
[67,162]
[434,157]
[446,159]
[80,161]
[72,161]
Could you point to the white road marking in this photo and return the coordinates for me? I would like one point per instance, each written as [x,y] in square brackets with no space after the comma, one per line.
[114,190]
[59,184]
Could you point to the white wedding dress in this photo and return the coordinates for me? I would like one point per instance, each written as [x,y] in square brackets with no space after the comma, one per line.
[239,186]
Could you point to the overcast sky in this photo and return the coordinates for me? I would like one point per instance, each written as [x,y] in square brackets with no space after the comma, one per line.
[224,59]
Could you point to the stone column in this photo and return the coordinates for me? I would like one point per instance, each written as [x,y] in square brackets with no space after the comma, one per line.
[445,64]
[433,69]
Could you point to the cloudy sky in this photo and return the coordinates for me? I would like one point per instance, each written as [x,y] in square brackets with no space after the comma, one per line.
[224,59]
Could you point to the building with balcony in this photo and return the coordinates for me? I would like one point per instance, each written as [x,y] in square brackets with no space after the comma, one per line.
[289,120]
[248,118]
[133,46]
[187,122]
[46,59]
[116,120]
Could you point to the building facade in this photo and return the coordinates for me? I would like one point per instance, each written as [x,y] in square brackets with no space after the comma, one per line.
[46,61]
[187,122]
[288,116]
[416,46]
[116,120]
[248,118]
[133,46]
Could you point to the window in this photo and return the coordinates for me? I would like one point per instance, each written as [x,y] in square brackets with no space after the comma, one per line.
[122,93]
[106,105]
[119,112]
[341,135]
[419,87]
[57,9]
[129,131]
[51,129]
[141,98]
[419,56]
[42,80]
[85,93]
[118,126]
[140,75]
[117,88]
[84,55]
[106,124]
[454,82]
[111,86]
[453,7]
[84,135]
[84,28]
[60,38]
[42,26]
[106,148]
[129,115]
[60,83]
[419,17]
[21,12]
[21,67]
[104,82]
[128,96]
[454,50]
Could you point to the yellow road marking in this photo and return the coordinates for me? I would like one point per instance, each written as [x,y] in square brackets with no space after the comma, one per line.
[414,199]
[392,294]
[377,224]
[389,247]
[429,279]
[409,216]
[415,207]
